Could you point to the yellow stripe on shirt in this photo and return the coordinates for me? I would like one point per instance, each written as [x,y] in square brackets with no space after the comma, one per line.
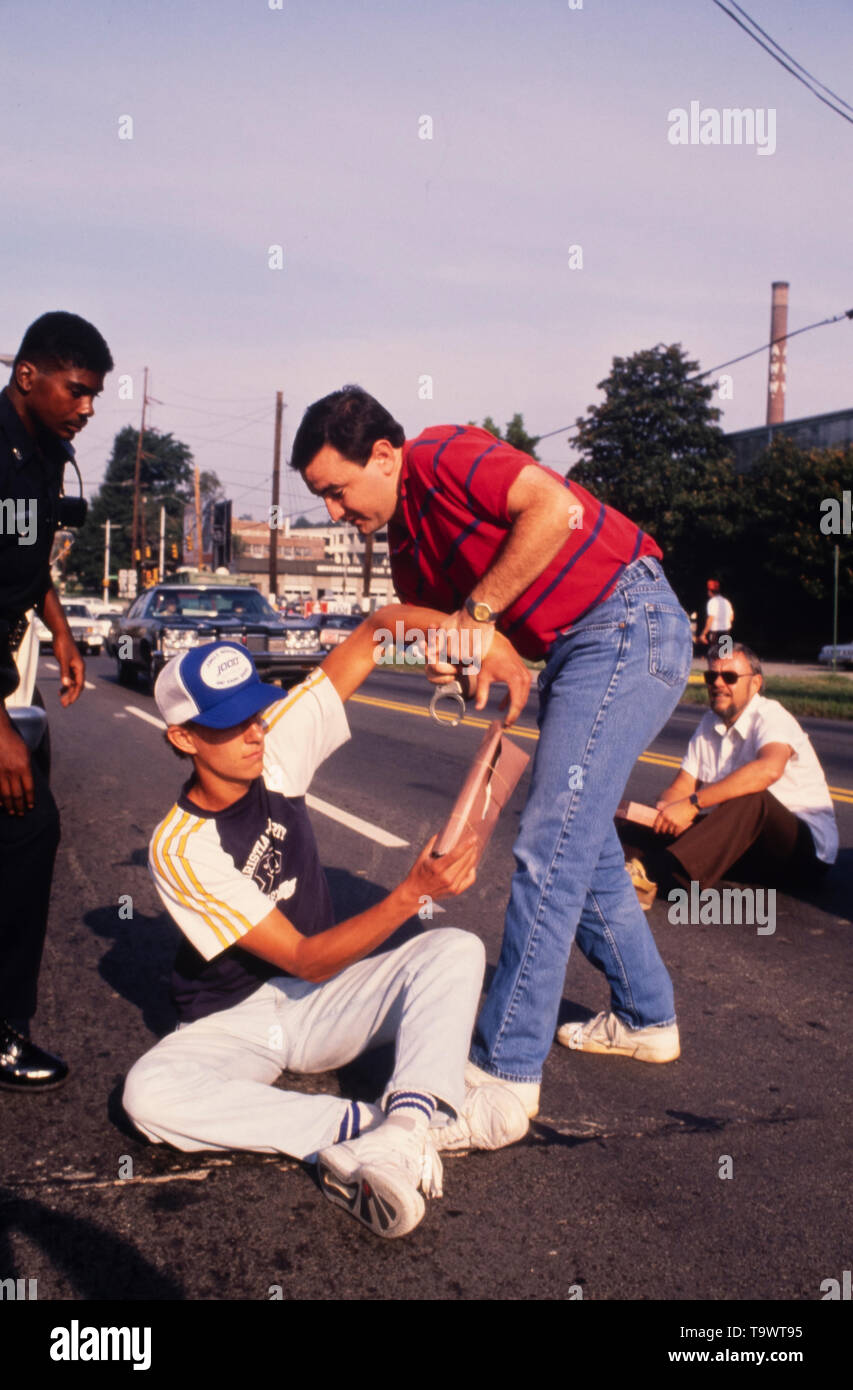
[160,846]
[282,706]
[208,907]
[221,908]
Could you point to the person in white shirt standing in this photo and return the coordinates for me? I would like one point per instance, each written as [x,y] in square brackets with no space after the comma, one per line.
[719,616]
[754,769]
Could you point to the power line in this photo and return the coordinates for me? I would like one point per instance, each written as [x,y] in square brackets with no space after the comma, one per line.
[784,51]
[210,414]
[257,487]
[220,400]
[220,438]
[848,314]
[781,61]
[551,433]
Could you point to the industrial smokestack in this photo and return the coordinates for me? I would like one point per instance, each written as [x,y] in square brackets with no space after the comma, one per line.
[777,373]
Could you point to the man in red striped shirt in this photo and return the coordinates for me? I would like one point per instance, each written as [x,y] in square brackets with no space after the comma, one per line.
[496,541]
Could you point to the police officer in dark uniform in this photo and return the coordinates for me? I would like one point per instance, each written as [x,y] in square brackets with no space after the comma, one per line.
[57,373]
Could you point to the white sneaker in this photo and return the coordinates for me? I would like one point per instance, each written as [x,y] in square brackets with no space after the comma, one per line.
[606,1033]
[377,1176]
[492,1117]
[527,1091]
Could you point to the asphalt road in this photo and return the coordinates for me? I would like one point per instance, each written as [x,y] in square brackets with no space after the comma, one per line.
[617,1190]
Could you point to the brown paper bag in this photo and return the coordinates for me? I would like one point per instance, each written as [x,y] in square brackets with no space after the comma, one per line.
[491,781]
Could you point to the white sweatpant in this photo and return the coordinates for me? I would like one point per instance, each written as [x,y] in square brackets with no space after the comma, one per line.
[208,1085]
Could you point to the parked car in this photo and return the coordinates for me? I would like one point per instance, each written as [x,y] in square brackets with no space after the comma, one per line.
[843,654]
[169,618]
[336,627]
[104,612]
[84,627]
[25,706]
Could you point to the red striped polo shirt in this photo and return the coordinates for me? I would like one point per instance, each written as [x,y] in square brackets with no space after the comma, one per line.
[453,519]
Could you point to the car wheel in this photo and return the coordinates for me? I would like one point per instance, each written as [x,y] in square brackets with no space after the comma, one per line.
[149,670]
[124,671]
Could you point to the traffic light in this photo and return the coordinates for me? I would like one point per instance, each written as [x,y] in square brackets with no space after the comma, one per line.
[221,534]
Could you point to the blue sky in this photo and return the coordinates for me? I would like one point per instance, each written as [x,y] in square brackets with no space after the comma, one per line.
[405,257]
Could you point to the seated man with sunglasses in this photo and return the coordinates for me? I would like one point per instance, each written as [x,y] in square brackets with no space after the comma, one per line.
[754,768]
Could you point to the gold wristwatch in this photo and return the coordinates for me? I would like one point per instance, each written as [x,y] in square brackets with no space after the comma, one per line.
[480,612]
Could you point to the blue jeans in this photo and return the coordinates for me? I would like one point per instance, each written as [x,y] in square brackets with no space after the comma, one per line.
[609,686]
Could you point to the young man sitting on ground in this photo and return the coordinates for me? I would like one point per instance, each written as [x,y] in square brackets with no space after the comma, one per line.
[264,981]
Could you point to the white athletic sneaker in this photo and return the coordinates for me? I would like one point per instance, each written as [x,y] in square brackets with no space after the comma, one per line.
[527,1091]
[492,1117]
[377,1176]
[606,1033]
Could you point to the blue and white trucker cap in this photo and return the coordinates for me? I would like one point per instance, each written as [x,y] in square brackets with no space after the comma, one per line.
[215,685]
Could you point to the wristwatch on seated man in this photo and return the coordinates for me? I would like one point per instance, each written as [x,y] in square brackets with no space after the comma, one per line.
[479,611]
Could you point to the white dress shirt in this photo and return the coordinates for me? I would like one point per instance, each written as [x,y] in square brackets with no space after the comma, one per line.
[714,751]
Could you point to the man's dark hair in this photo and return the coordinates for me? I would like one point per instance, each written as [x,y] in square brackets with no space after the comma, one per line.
[350,421]
[747,653]
[59,339]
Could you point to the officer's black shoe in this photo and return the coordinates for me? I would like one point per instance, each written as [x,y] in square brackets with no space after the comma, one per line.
[25,1067]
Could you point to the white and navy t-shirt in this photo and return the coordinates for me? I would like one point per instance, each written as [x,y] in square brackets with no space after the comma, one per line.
[221,873]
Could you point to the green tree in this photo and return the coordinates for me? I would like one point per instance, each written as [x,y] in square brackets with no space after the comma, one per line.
[515,434]
[653,449]
[166,479]
[786,551]
[210,488]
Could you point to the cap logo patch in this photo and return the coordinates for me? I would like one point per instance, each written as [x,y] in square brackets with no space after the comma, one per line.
[222,670]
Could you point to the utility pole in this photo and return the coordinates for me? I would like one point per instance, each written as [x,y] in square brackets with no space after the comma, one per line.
[134,545]
[276,477]
[835,607]
[367,570]
[197,490]
[162,568]
[106,588]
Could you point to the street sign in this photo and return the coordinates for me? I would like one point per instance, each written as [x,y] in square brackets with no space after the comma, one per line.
[127,583]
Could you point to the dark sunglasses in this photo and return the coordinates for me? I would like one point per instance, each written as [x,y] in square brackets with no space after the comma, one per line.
[730,677]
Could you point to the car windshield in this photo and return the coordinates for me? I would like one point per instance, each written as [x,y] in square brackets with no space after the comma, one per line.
[77,610]
[212,603]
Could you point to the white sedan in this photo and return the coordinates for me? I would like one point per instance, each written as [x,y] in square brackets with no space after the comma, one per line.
[843,654]
[84,627]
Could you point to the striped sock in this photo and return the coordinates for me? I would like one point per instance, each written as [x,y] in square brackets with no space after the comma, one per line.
[358,1117]
[417,1105]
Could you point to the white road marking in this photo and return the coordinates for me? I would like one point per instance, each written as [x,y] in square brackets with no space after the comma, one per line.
[363,827]
[88,685]
[143,714]
[51,665]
